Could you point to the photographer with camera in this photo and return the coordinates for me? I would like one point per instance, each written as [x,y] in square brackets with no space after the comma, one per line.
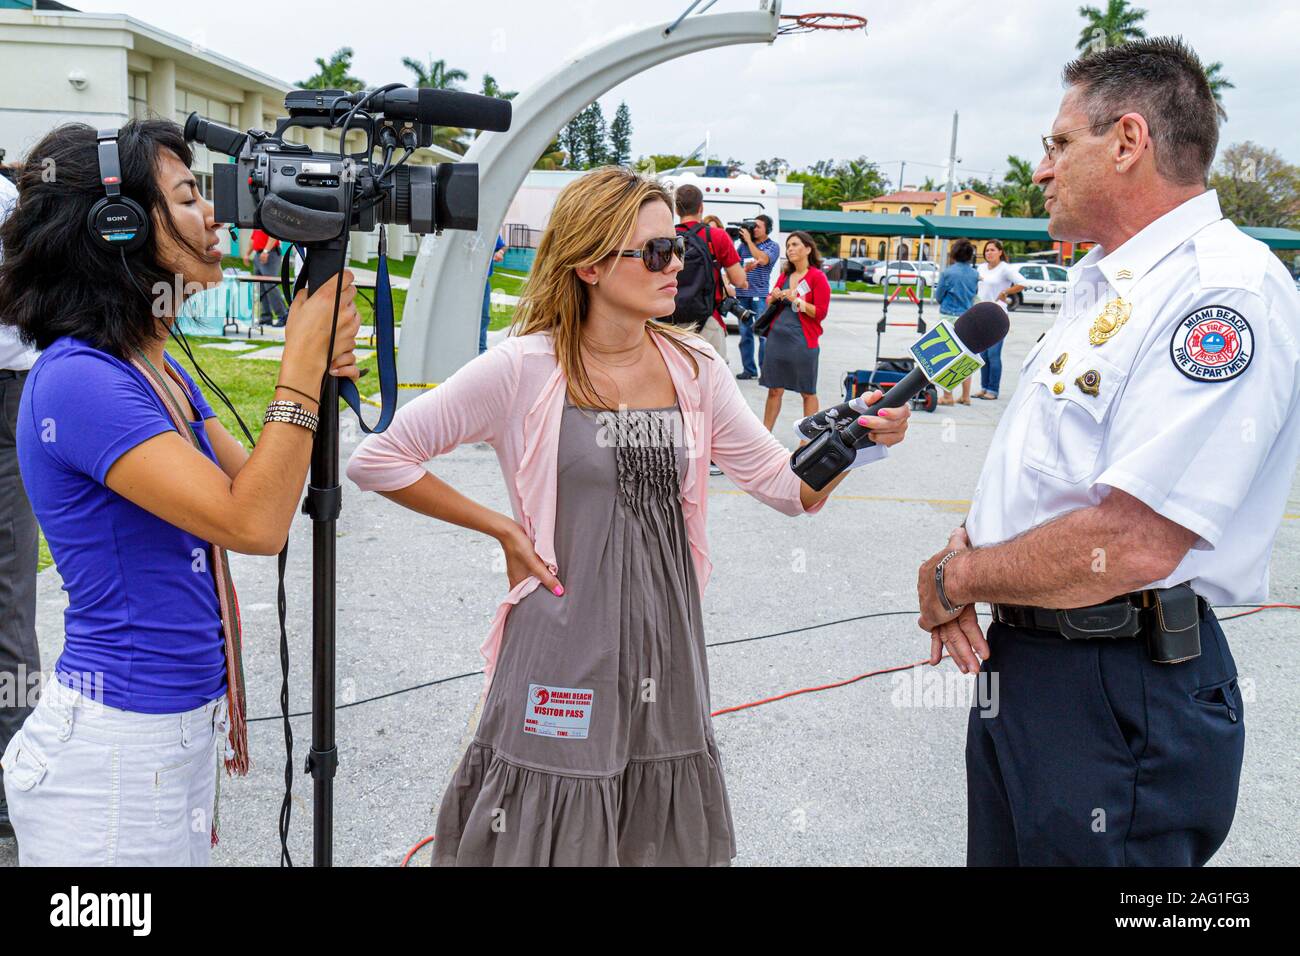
[140,490]
[710,254]
[763,256]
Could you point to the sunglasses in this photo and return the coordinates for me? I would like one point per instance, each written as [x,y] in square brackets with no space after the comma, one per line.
[657,254]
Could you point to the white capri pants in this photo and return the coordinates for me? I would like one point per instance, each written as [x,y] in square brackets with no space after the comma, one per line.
[92,785]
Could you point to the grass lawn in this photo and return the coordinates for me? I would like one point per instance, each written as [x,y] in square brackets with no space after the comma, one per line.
[250,384]
[926,293]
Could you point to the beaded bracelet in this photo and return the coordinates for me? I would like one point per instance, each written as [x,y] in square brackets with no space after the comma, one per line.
[290,413]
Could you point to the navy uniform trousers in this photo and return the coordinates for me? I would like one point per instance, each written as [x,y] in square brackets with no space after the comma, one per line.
[1087,753]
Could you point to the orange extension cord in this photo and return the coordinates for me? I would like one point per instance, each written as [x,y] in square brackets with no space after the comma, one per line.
[853,680]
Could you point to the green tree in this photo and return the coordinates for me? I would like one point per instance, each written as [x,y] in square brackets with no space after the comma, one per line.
[552,158]
[770,168]
[1257,187]
[1020,196]
[620,136]
[1218,83]
[1119,23]
[570,140]
[857,179]
[492,88]
[333,74]
[436,75]
[594,136]
[659,163]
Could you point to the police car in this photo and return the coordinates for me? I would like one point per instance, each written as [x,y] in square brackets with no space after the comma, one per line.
[1045,286]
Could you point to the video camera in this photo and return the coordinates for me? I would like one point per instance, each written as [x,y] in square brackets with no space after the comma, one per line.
[733,228]
[296,194]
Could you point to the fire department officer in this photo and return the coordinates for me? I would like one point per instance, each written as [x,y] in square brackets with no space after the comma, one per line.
[1137,478]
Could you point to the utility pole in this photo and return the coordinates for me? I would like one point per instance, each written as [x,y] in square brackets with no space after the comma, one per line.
[902,166]
[952,174]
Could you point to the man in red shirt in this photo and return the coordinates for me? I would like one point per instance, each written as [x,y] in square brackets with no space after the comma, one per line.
[267,253]
[690,206]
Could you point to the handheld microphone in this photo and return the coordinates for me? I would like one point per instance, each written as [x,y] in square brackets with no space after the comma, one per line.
[945,356]
[939,358]
[818,422]
[441,108]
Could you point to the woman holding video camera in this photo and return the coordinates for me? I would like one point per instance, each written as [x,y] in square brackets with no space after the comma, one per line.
[595,744]
[140,491]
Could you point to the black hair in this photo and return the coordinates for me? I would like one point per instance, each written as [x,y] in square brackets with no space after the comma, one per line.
[766,220]
[1162,79]
[963,250]
[814,257]
[55,279]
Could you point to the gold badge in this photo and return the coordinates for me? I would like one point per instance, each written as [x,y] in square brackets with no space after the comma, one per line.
[1089,382]
[1059,363]
[1058,388]
[1111,320]
[1124,274]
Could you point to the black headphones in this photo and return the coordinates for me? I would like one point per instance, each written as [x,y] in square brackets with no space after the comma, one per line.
[116,221]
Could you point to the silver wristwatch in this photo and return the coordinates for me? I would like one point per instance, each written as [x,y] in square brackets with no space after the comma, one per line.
[290,413]
[938,583]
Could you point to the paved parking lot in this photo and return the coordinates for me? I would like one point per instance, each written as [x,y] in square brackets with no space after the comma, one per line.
[856,775]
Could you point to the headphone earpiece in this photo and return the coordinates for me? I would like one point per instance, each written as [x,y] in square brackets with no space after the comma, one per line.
[116,222]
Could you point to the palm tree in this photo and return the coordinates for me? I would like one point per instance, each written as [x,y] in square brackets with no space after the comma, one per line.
[1118,24]
[492,88]
[435,75]
[333,74]
[1021,197]
[1218,83]
[856,179]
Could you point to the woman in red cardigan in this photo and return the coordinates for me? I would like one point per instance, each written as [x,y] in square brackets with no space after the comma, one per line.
[790,356]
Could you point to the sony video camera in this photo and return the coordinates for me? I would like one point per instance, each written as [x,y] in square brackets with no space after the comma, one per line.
[296,194]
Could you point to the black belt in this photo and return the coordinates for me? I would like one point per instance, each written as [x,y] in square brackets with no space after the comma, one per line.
[1125,616]
[8,373]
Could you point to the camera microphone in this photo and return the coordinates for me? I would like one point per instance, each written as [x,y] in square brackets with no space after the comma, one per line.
[440,108]
[945,356]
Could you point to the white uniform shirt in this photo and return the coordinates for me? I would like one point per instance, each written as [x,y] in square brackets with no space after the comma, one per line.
[13,354]
[995,281]
[1196,406]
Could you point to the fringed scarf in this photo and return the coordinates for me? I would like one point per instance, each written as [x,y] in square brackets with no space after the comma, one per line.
[236,751]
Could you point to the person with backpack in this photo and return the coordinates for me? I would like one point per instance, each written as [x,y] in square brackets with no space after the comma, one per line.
[710,254]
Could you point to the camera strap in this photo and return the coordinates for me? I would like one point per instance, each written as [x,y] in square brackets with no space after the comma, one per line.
[385,344]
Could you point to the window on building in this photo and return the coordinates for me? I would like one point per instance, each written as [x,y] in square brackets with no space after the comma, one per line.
[138,95]
[966,211]
[881,250]
[905,211]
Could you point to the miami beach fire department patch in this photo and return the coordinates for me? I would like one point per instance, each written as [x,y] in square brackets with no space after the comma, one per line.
[1213,344]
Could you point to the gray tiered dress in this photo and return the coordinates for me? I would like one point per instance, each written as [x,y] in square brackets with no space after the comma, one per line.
[595,746]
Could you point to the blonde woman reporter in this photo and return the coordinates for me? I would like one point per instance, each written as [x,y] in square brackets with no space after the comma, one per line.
[595,745]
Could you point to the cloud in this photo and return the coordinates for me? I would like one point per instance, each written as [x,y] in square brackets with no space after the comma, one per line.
[889,94]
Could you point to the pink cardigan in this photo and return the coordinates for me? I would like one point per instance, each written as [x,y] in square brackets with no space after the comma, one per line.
[512,397]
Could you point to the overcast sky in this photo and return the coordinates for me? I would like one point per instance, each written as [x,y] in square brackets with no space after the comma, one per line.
[889,94]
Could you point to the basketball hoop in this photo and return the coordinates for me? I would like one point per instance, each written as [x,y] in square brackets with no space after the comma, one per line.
[808,22]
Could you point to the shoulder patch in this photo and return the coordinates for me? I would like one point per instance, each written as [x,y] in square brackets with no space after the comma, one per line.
[1212,344]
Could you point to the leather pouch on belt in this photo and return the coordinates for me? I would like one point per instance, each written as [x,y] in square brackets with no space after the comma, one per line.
[1115,619]
[1174,628]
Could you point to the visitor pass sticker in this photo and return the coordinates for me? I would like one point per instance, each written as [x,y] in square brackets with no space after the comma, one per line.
[558,711]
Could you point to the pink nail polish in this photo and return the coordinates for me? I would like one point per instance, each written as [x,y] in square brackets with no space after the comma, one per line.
[863,421]
[559,590]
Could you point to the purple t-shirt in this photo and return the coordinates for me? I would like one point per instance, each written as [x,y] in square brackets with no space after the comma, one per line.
[142,604]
